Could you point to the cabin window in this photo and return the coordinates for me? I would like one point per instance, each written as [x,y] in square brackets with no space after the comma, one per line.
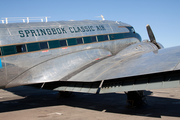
[87,39]
[102,37]
[93,38]
[63,43]
[43,45]
[20,48]
[116,36]
[111,37]
[8,50]
[79,40]
[71,41]
[106,37]
[54,44]
[90,39]
[33,47]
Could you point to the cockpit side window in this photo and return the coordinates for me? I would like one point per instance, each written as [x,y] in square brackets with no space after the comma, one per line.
[132,30]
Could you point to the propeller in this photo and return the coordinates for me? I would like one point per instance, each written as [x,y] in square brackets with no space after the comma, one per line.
[151,36]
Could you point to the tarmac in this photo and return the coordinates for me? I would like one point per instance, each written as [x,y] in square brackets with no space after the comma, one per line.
[28,103]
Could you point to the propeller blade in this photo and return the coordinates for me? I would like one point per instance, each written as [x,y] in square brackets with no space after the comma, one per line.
[151,36]
[150,33]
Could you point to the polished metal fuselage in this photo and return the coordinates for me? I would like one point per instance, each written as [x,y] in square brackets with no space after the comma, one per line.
[56,64]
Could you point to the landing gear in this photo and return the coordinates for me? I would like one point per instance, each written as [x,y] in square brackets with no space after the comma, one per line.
[135,99]
[64,94]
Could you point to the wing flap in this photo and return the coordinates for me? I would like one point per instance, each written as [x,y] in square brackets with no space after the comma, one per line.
[142,82]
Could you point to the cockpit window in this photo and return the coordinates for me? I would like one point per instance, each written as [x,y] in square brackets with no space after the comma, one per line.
[132,30]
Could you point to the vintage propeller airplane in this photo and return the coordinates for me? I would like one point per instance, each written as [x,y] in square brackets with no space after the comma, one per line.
[92,56]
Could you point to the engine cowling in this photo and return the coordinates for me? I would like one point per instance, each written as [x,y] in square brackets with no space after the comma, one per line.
[142,47]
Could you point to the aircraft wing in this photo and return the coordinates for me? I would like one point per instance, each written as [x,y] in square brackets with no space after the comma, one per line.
[86,70]
[162,60]
[140,71]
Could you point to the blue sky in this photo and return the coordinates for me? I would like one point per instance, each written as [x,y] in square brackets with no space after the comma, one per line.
[162,15]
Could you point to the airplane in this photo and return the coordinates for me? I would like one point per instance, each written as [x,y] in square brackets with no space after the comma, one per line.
[90,56]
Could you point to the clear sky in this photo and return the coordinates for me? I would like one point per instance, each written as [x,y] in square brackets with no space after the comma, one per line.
[162,15]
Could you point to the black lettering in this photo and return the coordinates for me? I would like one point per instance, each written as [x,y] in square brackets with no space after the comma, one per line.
[86,28]
[22,34]
[91,27]
[54,30]
[63,30]
[48,31]
[79,30]
[43,32]
[27,32]
[75,30]
[58,30]
[98,28]
[102,27]
[33,33]
[70,28]
[38,32]
[82,29]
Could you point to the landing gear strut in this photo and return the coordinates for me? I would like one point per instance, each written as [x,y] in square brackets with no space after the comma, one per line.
[135,99]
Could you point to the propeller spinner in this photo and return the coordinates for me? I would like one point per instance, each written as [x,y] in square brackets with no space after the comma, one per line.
[151,36]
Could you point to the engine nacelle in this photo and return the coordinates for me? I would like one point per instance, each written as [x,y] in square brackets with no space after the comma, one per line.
[142,47]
